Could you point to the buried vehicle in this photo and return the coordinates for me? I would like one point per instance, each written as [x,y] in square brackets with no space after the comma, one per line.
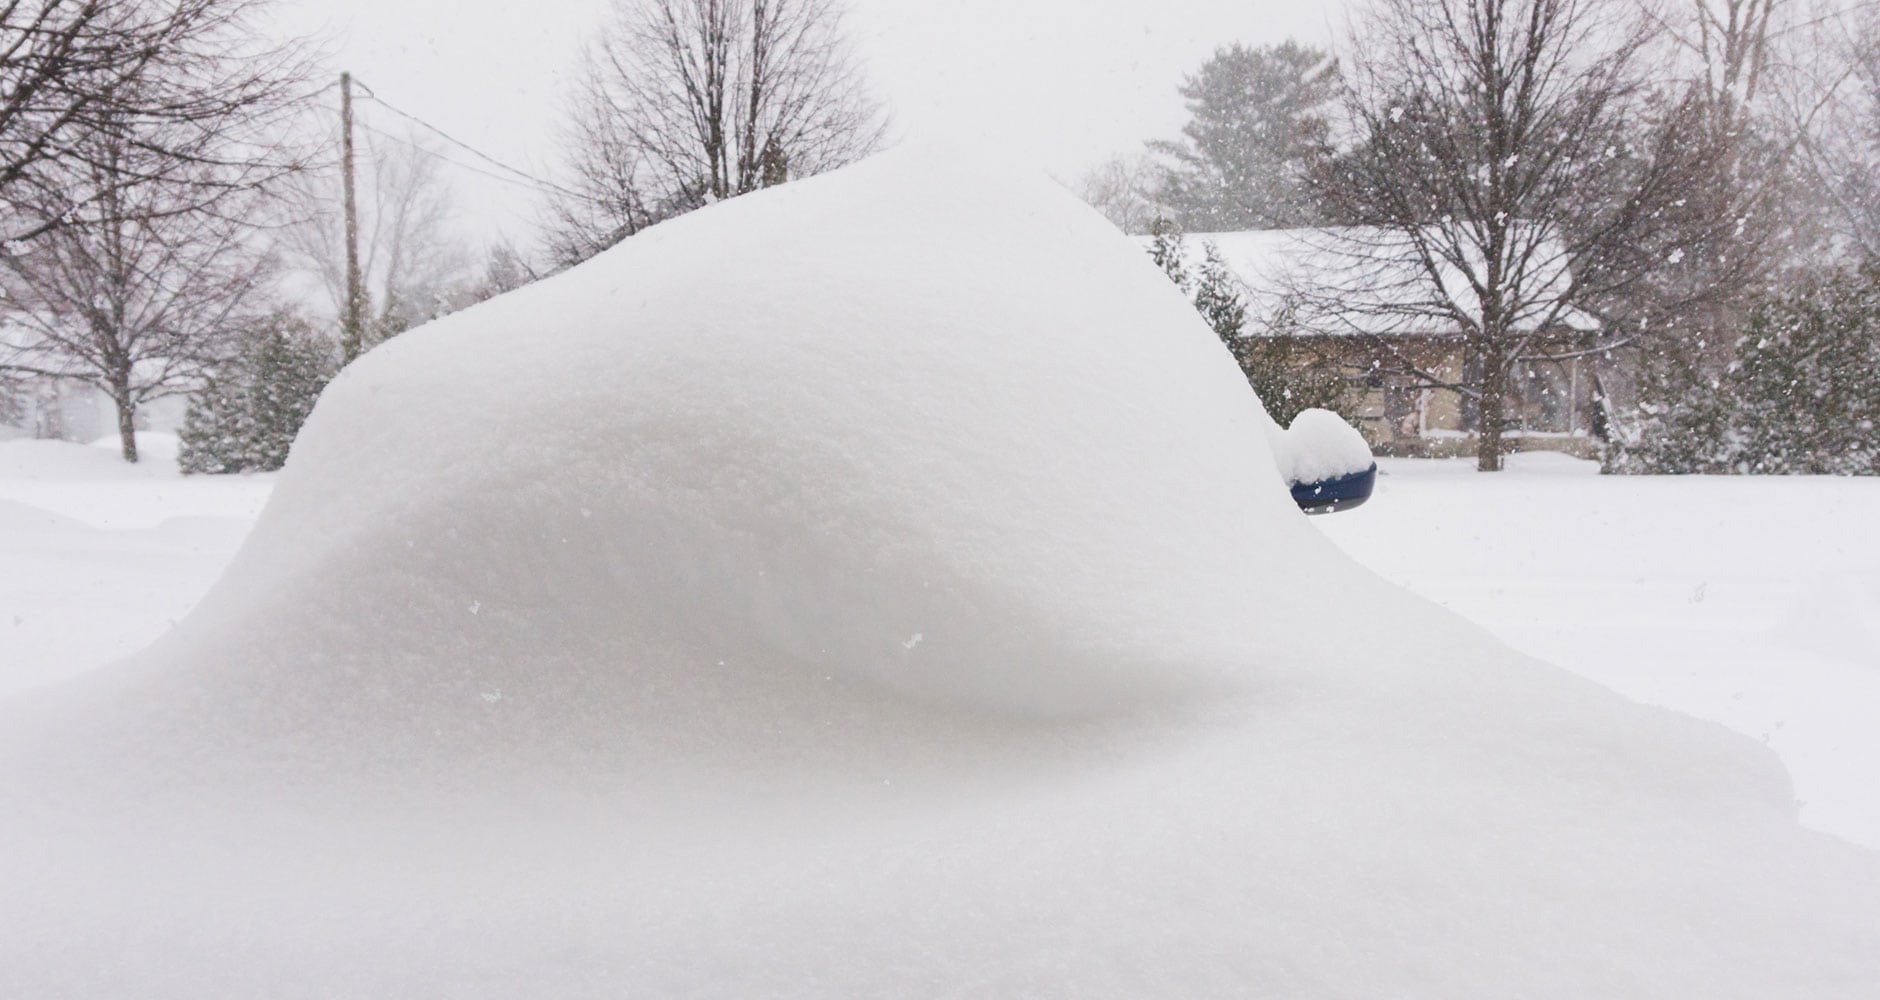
[877,585]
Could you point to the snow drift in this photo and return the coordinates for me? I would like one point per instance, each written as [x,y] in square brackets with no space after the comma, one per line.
[880,585]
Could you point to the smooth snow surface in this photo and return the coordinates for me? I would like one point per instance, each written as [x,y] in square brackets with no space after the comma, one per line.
[1753,601]
[98,555]
[878,585]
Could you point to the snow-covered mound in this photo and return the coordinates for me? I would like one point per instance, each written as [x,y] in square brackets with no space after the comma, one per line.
[880,585]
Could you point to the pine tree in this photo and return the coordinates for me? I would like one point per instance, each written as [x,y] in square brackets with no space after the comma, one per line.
[1259,125]
[1806,382]
[215,430]
[1801,395]
[1168,250]
[245,418]
[1218,301]
[290,370]
[1680,422]
[1291,373]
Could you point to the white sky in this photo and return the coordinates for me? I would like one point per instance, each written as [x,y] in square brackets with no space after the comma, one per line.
[1064,83]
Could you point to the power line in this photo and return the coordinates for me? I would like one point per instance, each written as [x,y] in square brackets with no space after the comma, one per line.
[429,151]
[459,164]
[472,150]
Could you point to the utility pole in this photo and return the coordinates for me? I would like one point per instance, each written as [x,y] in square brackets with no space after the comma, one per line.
[352,323]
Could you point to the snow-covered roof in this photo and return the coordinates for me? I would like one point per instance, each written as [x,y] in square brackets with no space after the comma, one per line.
[1368,280]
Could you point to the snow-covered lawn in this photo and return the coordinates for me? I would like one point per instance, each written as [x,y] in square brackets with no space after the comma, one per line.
[1754,602]
[1750,601]
[98,557]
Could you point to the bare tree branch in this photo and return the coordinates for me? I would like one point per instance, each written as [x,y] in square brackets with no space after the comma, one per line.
[684,102]
[187,81]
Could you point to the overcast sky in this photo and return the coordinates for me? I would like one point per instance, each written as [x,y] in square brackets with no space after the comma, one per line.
[1064,83]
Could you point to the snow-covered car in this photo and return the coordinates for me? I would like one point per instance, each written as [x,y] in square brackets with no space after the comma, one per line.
[876,585]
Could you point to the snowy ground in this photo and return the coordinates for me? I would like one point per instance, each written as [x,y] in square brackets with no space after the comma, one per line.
[1754,602]
[98,557]
[1751,601]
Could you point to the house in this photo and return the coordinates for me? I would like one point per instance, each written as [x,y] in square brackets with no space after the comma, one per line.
[1364,294]
[55,399]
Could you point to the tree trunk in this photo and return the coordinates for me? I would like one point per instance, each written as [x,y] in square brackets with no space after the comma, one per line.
[127,421]
[1469,408]
[1494,389]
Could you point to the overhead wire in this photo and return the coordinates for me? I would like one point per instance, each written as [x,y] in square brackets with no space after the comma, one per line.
[524,175]
[459,164]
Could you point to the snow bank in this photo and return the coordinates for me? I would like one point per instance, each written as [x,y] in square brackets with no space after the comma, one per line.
[880,585]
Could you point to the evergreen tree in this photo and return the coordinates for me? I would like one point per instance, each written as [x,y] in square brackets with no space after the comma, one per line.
[245,418]
[290,370]
[1168,250]
[1258,126]
[216,433]
[1291,373]
[1802,394]
[1218,301]
[1806,382]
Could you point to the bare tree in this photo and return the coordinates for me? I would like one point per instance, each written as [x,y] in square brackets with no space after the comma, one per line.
[505,269]
[138,300]
[1734,66]
[1121,188]
[185,81]
[684,102]
[1513,168]
[135,139]
[412,261]
[605,192]
[1838,109]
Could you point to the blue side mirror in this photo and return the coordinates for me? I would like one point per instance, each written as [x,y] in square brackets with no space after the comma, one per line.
[1328,496]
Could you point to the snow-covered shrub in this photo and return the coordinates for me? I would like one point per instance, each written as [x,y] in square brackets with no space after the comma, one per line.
[1677,426]
[1802,394]
[1805,389]
[1169,251]
[245,417]
[1294,374]
[1217,297]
